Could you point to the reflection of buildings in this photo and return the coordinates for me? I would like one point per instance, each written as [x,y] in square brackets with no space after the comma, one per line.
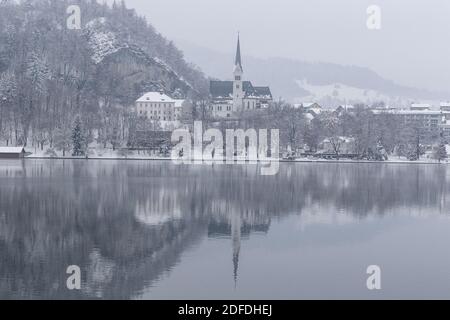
[127,224]
[237,226]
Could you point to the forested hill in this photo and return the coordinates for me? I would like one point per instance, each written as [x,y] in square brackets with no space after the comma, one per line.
[50,74]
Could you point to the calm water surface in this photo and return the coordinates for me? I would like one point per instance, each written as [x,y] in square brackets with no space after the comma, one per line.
[154,230]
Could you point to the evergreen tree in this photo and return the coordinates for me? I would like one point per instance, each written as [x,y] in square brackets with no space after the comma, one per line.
[440,152]
[78,139]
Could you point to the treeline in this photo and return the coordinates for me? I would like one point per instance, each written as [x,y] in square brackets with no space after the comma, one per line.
[367,135]
[50,75]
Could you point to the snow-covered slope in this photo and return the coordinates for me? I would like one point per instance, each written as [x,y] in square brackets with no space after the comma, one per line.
[338,93]
[104,43]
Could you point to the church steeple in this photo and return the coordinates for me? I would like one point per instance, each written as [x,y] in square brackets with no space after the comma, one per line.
[238,60]
[238,85]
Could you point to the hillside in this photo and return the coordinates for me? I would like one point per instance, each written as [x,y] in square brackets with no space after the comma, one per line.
[49,75]
[297,80]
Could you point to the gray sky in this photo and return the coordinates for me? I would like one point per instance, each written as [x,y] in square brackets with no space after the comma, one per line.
[412,47]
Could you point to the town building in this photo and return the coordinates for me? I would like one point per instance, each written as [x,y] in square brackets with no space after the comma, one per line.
[311,110]
[346,108]
[445,109]
[420,107]
[445,106]
[445,129]
[231,97]
[421,117]
[161,108]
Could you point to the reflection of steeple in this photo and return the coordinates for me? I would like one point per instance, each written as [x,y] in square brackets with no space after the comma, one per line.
[236,240]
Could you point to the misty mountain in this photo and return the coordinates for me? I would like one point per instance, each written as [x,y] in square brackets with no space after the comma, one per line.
[296,80]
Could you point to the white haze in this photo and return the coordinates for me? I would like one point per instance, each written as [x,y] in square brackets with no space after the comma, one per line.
[411,48]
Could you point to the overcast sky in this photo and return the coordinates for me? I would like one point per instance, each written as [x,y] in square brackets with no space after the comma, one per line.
[412,47]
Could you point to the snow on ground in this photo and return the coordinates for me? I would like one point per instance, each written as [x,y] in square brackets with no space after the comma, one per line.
[342,93]
[108,153]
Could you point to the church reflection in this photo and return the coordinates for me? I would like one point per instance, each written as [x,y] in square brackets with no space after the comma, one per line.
[127,224]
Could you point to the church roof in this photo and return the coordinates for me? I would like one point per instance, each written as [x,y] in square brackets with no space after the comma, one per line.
[224,90]
[263,91]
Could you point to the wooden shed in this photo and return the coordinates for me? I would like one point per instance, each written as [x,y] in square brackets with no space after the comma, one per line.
[12,152]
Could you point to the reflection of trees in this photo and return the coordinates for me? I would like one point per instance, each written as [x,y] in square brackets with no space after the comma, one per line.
[111,217]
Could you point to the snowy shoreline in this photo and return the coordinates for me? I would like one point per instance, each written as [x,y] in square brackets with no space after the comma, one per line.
[242,161]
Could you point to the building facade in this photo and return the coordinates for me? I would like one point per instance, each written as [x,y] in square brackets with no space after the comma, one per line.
[231,97]
[159,106]
[430,121]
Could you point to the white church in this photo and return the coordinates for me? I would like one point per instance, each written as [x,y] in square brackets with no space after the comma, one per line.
[231,97]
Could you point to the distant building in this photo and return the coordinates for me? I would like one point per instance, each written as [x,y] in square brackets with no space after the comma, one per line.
[348,108]
[311,109]
[445,106]
[12,152]
[230,97]
[421,117]
[445,129]
[159,107]
[420,107]
[445,109]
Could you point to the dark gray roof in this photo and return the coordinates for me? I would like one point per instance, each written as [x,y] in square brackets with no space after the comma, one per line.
[224,90]
[263,91]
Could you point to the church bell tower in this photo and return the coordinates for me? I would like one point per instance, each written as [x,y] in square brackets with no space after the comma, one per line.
[238,90]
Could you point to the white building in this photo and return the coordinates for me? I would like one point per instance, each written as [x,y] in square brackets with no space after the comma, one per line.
[445,106]
[420,107]
[230,97]
[159,107]
[421,117]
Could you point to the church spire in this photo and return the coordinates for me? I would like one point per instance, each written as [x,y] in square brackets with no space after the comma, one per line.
[238,60]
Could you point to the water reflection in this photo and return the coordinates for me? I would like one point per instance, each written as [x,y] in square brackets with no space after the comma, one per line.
[127,224]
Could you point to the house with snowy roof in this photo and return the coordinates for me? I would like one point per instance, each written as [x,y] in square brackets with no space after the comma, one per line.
[231,97]
[160,108]
[420,107]
[12,152]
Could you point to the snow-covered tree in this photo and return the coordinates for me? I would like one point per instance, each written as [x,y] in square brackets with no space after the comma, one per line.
[62,140]
[440,151]
[78,145]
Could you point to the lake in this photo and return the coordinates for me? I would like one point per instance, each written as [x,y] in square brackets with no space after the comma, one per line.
[155,230]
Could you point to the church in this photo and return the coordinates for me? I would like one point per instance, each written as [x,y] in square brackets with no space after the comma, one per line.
[231,97]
